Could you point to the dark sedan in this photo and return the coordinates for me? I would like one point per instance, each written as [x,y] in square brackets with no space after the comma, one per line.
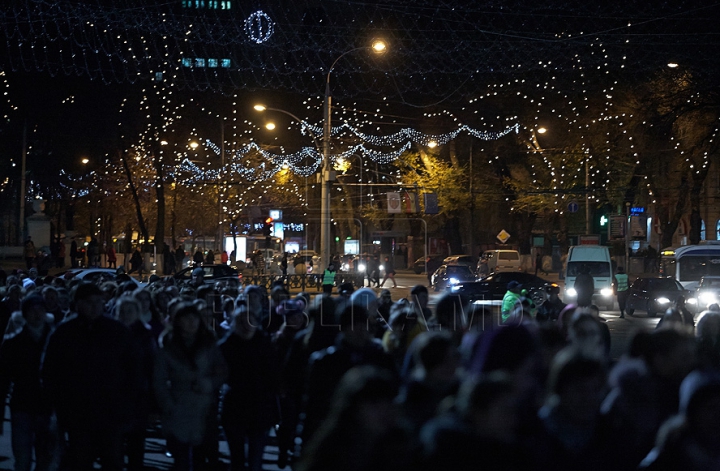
[494,287]
[448,276]
[211,274]
[653,295]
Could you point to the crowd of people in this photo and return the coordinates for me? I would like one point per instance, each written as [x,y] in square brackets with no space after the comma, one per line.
[349,381]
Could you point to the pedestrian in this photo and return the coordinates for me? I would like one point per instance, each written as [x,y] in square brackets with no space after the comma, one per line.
[328,280]
[198,258]
[189,370]
[249,406]
[74,254]
[30,252]
[511,301]
[389,272]
[224,257]
[259,262]
[111,257]
[584,286]
[551,308]
[210,257]
[136,262]
[91,373]
[32,425]
[168,260]
[129,312]
[55,251]
[60,262]
[284,263]
[538,261]
[179,257]
[93,252]
[622,287]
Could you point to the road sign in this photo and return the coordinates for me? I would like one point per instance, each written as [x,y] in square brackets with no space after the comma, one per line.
[573,207]
[503,236]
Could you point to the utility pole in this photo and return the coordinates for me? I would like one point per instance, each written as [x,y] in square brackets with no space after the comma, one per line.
[587,196]
[471,239]
[21,222]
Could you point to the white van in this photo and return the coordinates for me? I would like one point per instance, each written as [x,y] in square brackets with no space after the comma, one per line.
[499,260]
[597,259]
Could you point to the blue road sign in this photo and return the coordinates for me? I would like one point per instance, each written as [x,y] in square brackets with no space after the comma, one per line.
[573,207]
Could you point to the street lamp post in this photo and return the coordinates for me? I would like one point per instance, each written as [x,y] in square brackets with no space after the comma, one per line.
[327,176]
[378,47]
[220,232]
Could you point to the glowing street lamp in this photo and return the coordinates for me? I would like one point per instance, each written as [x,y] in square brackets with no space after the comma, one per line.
[378,47]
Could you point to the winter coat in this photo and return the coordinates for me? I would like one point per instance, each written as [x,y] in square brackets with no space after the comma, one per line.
[20,365]
[186,388]
[252,383]
[92,374]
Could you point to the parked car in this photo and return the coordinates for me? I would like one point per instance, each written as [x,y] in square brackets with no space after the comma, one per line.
[95,275]
[653,295]
[494,287]
[447,276]
[707,293]
[433,262]
[212,274]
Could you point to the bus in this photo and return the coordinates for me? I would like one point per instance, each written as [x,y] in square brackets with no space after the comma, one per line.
[689,263]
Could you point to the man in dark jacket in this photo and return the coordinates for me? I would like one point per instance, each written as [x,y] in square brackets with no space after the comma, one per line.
[249,404]
[92,375]
[584,286]
[31,414]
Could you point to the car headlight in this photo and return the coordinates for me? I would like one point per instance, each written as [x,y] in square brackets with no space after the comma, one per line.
[692,301]
[382,267]
[453,281]
[662,300]
[361,267]
[571,292]
[455,288]
[606,292]
[707,298]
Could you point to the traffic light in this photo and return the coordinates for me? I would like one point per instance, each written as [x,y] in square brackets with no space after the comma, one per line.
[267,227]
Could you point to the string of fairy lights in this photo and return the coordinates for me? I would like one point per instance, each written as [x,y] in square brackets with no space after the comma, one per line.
[181,49]
[443,46]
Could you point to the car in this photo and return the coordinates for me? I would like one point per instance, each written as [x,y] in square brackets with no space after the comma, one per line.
[706,293]
[96,275]
[653,295]
[493,287]
[433,262]
[460,260]
[212,274]
[447,276]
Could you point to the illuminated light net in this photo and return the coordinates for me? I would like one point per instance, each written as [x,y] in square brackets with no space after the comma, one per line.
[437,48]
